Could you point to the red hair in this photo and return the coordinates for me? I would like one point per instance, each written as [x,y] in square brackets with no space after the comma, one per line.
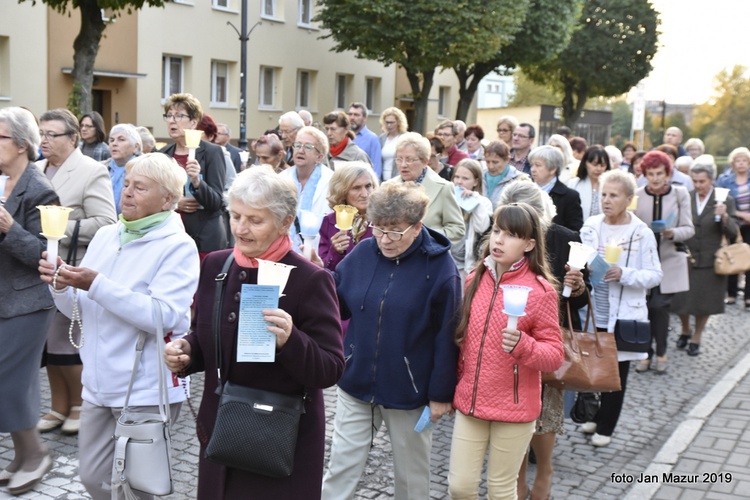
[208,126]
[655,159]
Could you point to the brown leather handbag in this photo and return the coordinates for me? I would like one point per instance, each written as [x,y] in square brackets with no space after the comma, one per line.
[732,259]
[590,360]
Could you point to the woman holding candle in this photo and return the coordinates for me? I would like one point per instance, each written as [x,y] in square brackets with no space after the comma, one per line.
[351,184]
[124,145]
[468,177]
[498,396]
[712,220]
[666,208]
[308,356]
[84,185]
[26,310]
[622,292]
[737,180]
[401,291]
[203,201]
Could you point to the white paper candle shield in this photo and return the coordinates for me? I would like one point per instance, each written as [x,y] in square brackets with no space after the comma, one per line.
[3,180]
[192,141]
[54,223]
[514,302]
[274,274]
[720,194]
[579,255]
[244,156]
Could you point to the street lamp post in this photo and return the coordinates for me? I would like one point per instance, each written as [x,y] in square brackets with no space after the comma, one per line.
[244,35]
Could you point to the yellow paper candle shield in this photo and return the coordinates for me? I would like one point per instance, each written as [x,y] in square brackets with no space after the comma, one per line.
[54,220]
[344,216]
[612,253]
[633,204]
[193,138]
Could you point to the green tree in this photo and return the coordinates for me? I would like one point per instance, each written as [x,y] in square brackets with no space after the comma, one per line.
[545,31]
[610,52]
[86,44]
[677,119]
[528,93]
[622,119]
[724,121]
[420,36]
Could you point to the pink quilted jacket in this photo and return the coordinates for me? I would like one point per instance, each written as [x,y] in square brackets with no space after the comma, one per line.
[500,386]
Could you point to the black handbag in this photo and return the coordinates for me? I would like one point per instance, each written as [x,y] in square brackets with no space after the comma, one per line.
[255,430]
[586,407]
[632,335]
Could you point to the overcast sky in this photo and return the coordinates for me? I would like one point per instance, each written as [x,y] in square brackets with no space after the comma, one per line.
[699,38]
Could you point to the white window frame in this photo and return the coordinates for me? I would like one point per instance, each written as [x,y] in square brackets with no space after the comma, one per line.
[305,6]
[269,5]
[263,90]
[372,94]
[443,101]
[341,97]
[217,4]
[304,88]
[166,72]
[215,83]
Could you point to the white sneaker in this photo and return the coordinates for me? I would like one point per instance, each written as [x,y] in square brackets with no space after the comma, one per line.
[600,441]
[588,427]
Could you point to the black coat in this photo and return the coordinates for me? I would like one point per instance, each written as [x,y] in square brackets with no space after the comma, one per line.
[568,204]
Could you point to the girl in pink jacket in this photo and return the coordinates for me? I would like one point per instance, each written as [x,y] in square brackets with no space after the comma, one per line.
[498,396]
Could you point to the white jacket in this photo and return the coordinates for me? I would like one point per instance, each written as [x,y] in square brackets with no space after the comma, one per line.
[642,273]
[586,192]
[320,200]
[478,224]
[163,264]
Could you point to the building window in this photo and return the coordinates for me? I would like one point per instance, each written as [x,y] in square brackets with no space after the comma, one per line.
[443,101]
[372,94]
[269,8]
[171,75]
[219,82]
[4,66]
[224,4]
[267,87]
[342,91]
[303,89]
[305,12]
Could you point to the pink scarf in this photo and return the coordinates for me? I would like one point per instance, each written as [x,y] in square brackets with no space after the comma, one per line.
[275,252]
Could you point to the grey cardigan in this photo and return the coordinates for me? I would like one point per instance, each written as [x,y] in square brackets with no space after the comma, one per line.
[21,289]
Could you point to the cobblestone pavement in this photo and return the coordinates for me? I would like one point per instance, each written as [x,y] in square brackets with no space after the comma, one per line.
[695,419]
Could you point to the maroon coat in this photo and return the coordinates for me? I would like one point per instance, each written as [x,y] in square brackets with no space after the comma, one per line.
[312,359]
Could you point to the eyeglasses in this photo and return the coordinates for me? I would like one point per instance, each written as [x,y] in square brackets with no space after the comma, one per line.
[306,147]
[177,117]
[390,123]
[288,131]
[86,125]
[406,161]
[50,135]
[444,136]
[521,136]
[392,235]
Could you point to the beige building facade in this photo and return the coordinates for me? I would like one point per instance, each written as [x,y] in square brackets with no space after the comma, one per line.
[190,46]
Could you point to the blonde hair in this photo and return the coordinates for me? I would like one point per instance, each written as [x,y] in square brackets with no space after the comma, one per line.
[419,143]
[403,125]
[344,176]
[163,170]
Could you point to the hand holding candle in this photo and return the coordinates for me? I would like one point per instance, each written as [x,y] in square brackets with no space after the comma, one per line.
[309,223]
[514,303]
[54,223]
[344,216]
[579,255]
[192,141]
[720,194]
[244,156]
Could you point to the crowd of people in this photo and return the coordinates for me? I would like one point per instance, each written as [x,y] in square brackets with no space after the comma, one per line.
[401,309]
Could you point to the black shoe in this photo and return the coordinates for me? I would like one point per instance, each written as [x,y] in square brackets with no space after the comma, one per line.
[693,349]
[682,342]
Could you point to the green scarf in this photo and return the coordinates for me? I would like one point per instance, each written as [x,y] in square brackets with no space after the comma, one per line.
[135,229]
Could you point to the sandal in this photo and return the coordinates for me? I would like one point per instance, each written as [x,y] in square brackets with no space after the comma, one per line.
[72,425]
[48,424]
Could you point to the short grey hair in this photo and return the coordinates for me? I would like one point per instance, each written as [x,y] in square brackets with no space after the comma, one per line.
[615,156]
[396,202]
[132,134]
[550,156]
[292,118]
[619,176]
[147,138]
[163,170]
[531,193]
[419,143]
[703,164]
[360,106]
[260,187]
[563,144]
[24,131]
[229,130]
[318,136]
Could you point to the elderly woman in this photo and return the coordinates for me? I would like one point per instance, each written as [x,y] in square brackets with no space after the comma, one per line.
[203,199]
[546,164]
[622,292]
[26,310]
[145,257]
[306,327]
[737,180]
[401,291]
[695,147]
[84,185]
[310,175]
[443,213]
[393,123]
[712,220]
[474,136]
[341,140]
[351,184]
[468,178]
[505,127]
[93,136]
[269,150]
[594,163]
[498,173]
[570,164]
[628,150]
[124,145]
[147,140]
[666,208]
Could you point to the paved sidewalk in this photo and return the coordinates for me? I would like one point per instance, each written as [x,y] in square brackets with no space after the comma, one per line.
[693,420]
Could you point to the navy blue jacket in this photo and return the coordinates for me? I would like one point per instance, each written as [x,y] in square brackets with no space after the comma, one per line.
[400,347]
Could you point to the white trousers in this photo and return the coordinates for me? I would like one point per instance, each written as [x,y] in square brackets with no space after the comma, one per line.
[354,428]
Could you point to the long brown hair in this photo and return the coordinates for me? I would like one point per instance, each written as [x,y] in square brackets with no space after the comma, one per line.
[523,221]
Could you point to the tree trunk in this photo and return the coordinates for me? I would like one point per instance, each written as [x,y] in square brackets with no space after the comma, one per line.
[573,102]
[86,47]
[468,89]
[421,94]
